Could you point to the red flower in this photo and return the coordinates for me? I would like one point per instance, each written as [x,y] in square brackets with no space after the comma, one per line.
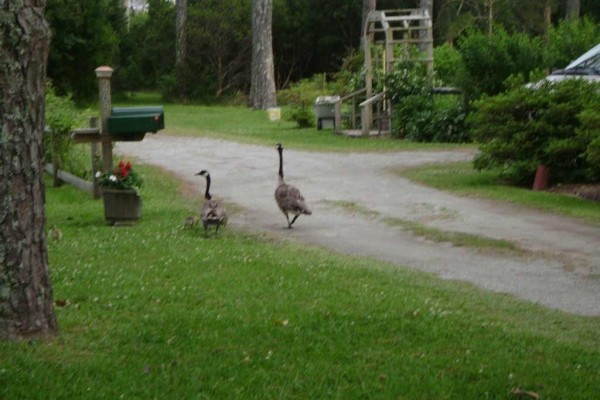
[128,166]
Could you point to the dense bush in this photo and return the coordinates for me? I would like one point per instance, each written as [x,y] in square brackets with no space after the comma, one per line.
[448,65]
[570,39]
[490,60]
[61,118]
[300,98]
[417,115]
[554,125]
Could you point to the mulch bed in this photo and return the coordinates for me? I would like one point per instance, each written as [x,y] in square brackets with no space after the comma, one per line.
[587,191]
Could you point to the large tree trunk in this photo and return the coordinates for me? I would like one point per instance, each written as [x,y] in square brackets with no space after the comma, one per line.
[262,86]
[25,288]
[180,25]
[573,7]
[367,7]
[180,46]
[547,20]
[427,4]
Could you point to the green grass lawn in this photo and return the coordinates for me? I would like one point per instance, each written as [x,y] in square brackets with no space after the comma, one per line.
[462,179]
[159,311]
[243,124]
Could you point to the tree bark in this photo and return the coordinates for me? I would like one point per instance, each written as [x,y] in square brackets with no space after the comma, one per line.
[367,7]
[262,86]
[180,28]
[180,47]
[427,4]
[547,21]
[25,288]
[573,8]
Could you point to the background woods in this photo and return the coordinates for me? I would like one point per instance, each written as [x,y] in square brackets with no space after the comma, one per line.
[211,57]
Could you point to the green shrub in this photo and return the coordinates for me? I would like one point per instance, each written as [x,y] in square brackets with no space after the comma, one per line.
[351,76]
[448,65]
[554,125]
[490,60]
[62,117]
[301,96]
[570,39]
[304,91]
[301,115]
[417,115]
[589,133]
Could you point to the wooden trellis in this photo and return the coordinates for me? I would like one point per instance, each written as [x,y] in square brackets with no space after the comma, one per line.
[388,36]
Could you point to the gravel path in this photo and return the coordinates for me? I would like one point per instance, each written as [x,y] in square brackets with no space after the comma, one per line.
[560,270]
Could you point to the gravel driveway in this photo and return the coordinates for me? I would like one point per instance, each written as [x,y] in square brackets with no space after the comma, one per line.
[559,269]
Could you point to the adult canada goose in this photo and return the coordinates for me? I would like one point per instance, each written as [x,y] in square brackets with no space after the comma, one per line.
[288,198]
[212,212]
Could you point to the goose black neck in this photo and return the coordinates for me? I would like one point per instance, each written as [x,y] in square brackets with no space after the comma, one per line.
[207,195]
[280,150]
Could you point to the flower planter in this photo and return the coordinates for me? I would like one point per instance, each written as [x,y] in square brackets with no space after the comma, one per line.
[121,207]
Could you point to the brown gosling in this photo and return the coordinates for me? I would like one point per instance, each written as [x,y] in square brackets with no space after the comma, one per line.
[55,233]
[191,221]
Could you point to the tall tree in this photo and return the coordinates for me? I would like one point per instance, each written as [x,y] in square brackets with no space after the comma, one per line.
[180,31]
[367,7]
[180,47]
[547,20]
[262,85]
[25,288]
[427,4]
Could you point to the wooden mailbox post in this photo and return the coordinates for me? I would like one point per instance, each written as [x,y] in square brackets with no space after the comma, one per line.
[128,124]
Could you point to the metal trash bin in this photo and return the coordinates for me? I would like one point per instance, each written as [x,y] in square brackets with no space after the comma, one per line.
[325,111]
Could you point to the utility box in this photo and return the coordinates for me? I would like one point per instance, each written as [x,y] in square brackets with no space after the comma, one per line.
[132,123]
[325,111]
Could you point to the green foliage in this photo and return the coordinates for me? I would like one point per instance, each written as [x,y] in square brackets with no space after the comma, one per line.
[490,60]
[301,96]
[570,39]
[351,76]
[417,115]
[304,91]
[148,49]
[448,65]
[589,132]
[303,116]
[552,125]
[61,117]
[85,35]
[313,36]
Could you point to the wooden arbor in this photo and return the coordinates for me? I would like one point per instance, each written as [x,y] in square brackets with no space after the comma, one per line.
[387,37]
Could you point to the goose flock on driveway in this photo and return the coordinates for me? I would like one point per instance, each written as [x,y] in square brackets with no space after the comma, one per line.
[288,198]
